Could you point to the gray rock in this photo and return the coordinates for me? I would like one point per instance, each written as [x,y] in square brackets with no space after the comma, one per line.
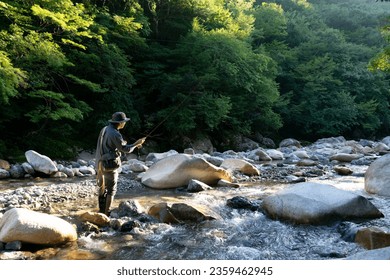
[4,174]
[364,160]
[135,166]
[203,145]
[16,171]
[314,203]
[377,254]
[367,143]
[260,154]
[306,162]
[197,186]
[386,140]
[381,148]
[275,154]
[343,157]
[332,140]
[154,157]
[13,246]
[377,176]
[28,168]
[68,171]
[82,162]
[217,161]
[129,226]
[240,202]
[40,162]
[87,170]
[130,208]
[189,151]
[290,142]
[292,159]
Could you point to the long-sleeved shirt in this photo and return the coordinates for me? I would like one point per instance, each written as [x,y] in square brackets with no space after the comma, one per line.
[112,142]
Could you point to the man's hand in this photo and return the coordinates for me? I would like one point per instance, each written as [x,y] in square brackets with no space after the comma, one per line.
[139,142]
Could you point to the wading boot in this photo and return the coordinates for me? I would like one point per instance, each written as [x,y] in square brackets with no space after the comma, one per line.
[102,203]
[109,200]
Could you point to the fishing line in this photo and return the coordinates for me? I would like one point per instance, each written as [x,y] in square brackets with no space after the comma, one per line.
[168,116]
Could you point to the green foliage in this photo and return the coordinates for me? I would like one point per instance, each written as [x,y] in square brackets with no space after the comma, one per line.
[218,68]
[382,60]
[270,24]
[10,79]
[324,76]
[231,94]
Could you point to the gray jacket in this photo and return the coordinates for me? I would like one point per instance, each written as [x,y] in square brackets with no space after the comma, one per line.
[112,144]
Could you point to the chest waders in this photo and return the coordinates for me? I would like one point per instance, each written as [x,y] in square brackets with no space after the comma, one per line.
[107,182]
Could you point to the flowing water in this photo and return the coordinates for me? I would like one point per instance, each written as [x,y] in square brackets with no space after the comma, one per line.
[239,235]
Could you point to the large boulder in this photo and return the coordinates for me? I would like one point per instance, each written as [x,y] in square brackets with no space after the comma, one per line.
[40,162]
[314,203]
[19,224]
[177,171]
[377,176]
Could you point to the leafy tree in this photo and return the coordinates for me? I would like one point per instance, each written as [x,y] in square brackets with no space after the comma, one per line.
[212,82]
[382,60]
[11,79]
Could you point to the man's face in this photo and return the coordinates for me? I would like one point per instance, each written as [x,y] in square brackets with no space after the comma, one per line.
[121,125]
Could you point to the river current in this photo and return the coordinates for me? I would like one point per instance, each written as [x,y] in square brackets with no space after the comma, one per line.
[239,234]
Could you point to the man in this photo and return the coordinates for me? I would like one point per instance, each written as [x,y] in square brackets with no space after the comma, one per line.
[109,147]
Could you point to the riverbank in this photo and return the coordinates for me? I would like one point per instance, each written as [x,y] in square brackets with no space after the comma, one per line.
[70,198]
[238,233]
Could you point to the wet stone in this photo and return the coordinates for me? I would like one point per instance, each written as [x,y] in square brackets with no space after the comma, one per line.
[240,202]
[129,226]
[13,246]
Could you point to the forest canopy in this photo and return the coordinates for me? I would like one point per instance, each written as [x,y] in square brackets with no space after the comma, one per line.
[195,68]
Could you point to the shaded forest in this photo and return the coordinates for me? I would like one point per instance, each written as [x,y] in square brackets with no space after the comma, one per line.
[188,69]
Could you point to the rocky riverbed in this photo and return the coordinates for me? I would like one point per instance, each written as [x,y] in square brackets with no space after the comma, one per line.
[69,197]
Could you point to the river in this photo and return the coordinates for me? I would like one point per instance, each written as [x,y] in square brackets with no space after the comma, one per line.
[239,234]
